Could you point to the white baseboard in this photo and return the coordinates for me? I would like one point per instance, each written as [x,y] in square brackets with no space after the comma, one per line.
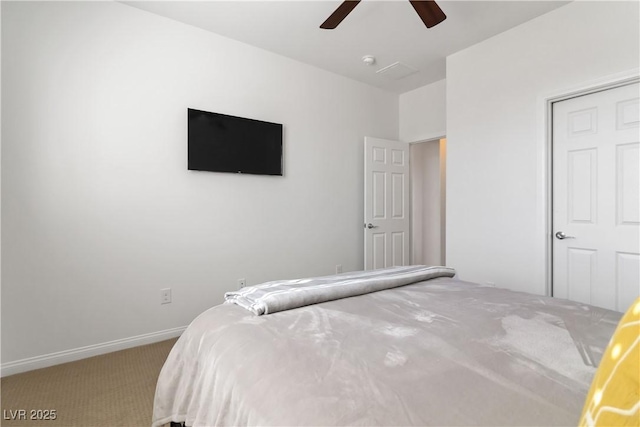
[37,362]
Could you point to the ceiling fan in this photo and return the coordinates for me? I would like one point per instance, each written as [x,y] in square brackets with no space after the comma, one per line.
[427,10]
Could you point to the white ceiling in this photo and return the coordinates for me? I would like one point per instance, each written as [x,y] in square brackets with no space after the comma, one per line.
[389,30]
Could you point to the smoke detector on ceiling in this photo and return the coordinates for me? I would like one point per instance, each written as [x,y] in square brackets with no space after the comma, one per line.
[369,59]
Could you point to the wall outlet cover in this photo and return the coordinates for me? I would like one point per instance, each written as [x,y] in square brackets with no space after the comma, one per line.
[165,296]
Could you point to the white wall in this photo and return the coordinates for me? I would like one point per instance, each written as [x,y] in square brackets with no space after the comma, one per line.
[423,113]
[496,137]
[99,211]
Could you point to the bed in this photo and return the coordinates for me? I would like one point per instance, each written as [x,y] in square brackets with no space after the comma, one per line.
[433,352]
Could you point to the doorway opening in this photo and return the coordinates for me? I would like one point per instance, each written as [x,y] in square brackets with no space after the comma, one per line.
[428,201]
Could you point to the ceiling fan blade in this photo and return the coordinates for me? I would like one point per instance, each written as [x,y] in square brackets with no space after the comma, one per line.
[339,14]
[429,12]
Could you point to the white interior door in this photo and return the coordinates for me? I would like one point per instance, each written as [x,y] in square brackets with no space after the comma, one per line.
[596,192]
[386,203]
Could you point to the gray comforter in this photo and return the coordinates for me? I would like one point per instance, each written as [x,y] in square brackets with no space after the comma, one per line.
[441,352]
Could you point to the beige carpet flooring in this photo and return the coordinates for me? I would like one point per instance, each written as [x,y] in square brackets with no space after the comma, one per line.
[110,390]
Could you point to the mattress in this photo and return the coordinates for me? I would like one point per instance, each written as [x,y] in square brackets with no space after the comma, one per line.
[432,353]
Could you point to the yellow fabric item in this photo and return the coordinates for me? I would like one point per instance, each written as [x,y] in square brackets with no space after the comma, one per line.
[614,397]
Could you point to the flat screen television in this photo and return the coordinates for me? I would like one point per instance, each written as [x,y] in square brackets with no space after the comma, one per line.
[221,143]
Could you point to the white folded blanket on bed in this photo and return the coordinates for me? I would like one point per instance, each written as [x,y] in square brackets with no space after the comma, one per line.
[281,295]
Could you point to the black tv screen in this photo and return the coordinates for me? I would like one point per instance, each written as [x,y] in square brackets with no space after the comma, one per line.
[221,143]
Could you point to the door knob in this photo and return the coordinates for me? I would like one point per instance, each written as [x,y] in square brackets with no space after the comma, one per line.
[561,236]
[370,226]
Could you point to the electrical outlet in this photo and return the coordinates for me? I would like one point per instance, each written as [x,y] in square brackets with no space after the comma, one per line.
[338,268]
[242,283]
[165,296]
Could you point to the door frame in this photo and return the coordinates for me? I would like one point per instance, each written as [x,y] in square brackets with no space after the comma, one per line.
[443,229]
[545,154]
